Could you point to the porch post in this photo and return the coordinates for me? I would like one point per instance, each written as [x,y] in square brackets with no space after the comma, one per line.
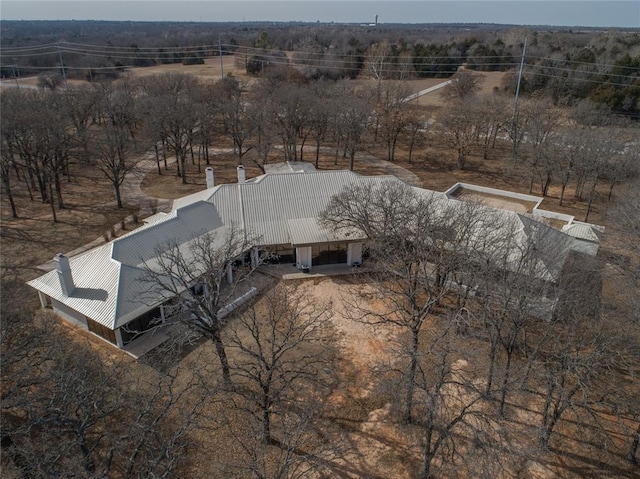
[254,257]
[43,299]
[354,253]
[119,341]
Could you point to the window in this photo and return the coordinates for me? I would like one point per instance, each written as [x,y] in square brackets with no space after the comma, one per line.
[334,253]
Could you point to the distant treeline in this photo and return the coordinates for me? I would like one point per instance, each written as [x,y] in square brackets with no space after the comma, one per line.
[602,65]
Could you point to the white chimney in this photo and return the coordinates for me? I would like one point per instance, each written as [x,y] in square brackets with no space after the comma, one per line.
[241,174]
[64,274]
[209,171]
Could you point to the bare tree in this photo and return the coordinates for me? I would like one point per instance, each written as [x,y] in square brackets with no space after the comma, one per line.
[458,128]
[115,143]
[450,405]
[281,358]
[237,119]
[352,122]
[199,275]
[84,112]
[464,83]
[67,412]
[392,115]
[540,130]
[409,237]
[170,113]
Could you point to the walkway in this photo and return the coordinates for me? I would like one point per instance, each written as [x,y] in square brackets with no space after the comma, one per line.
[388,167]
[132,193]
[391,169]
[289,271]
[427,90]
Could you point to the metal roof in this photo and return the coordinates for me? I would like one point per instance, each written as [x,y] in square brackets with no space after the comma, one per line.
[290,167]
[275,209]
[581,231]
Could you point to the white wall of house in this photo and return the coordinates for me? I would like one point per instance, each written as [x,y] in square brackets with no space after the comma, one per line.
[354,253]
[303,256]
[69,314]
[119,341]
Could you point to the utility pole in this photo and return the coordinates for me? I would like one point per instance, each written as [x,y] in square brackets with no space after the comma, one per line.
[64,74]
[220,53]
[524,50]
[16,73]
[515,105]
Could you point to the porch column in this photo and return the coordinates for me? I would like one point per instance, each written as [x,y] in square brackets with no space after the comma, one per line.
[354,253]
[303,256]
[119,341]
[43,299]
[255,257]
[230,274]
[163,318]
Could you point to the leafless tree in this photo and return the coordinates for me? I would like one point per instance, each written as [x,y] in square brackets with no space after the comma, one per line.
[40,145]
[281,357]
[541,127]
[378,64]
[459,129]
[464,83]
[410,237]
[203,275]
[171,116]
[237,119]
[114,144]
[84,112]
[392,115]
[449,405]
[69,413]
[351,123]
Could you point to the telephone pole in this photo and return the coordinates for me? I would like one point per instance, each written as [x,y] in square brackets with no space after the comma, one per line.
[515,105]
[220,53]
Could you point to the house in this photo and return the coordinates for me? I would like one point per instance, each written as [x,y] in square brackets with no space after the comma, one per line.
[103,290]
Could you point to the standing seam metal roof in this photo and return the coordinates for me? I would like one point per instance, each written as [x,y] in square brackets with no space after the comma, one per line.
[277,208]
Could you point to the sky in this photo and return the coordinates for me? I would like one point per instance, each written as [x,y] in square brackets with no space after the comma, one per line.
[590,13]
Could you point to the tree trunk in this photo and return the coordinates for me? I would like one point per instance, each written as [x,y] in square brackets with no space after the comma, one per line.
[592,195]
[633,450]
[547,184]
[266,415]
[155,147]
[7,190]
[428,453]
[53,207]
[562,193]
[183,164]
[116,188]
[492,364]
[56,178]
[222,355]
[411,377]
[317,153]
[505,383]
[89,465]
